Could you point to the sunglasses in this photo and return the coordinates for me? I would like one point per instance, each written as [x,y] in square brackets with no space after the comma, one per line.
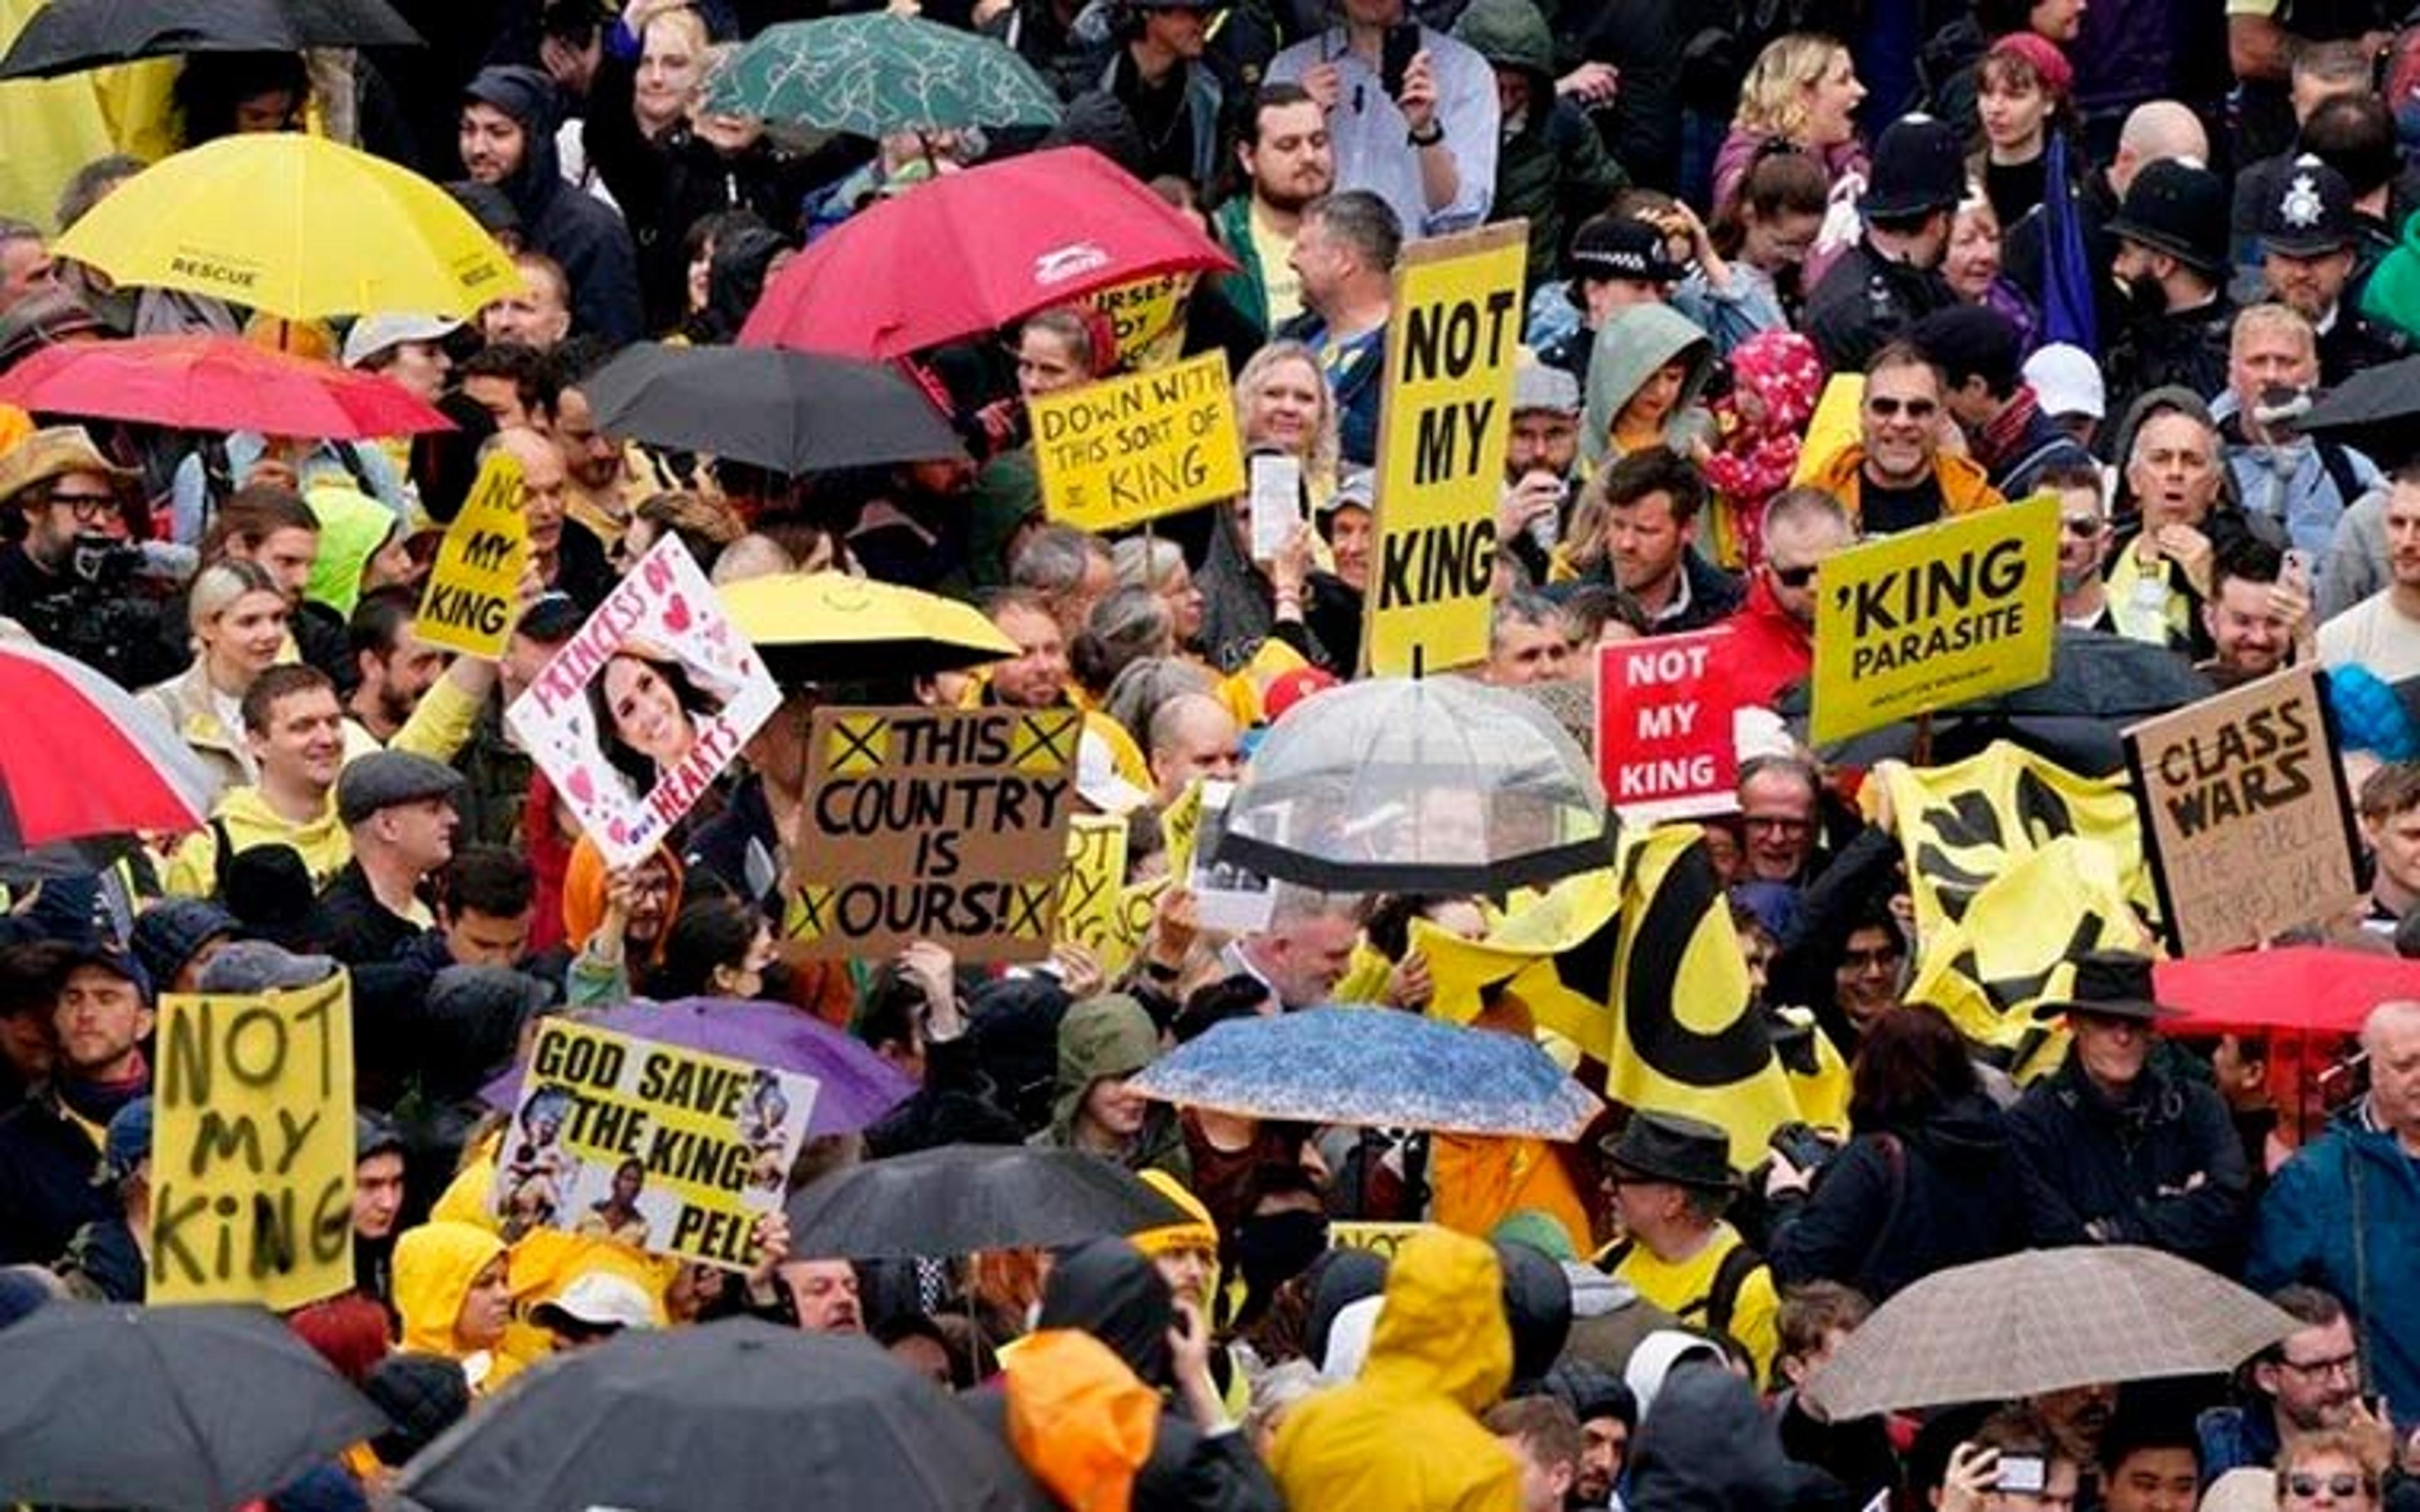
[2339,1487]
[1792,577]
[2083,527]
[1886,407]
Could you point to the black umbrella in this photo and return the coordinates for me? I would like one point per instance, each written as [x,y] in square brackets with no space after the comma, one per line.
[2377,409]
[961,1198]
[165,1408]
[739,1416]
[70,35]
[2098,685]
[788,412]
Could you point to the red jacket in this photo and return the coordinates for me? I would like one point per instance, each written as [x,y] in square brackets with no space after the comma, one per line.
[1768,649]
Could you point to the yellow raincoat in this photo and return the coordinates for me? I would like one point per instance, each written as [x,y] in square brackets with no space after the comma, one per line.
[434,1266]
[1406,1436]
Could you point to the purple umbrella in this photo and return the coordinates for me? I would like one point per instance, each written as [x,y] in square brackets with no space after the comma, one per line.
[857,1086]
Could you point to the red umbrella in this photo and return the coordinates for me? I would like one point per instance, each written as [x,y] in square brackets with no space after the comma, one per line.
[973,251]
[80,759]
[2304,987]
[215,383]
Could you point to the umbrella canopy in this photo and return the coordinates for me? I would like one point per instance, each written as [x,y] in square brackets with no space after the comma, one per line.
[790,412]
[215,383]
[80,759]
[109,1406]
[873,75]
[70,35]
[2376,409]
[2306,987]
[973,251]
[957,1199]
[1401,784]
[2042,1320]
[1374,1068]
[830,627]
[739,1415]
[854,1086]
[2099,685]
[297,226]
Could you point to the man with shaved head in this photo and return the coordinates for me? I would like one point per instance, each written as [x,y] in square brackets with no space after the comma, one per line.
[2155,132]
[568,556]
[1192,735]
[2344,1213]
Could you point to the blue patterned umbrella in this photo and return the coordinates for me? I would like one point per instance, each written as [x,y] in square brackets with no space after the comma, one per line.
[1374,1068]
[874,75]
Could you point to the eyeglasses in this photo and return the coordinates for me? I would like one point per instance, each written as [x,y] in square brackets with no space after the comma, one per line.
[88,508]
[1780,824]
[2335,1364]
[2339,1487]
[2083,527]
[1793,577]
[1887,406]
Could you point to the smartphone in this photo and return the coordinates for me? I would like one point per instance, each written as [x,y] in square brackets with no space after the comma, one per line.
[2025,1475]
[1402,42]
[2298,563]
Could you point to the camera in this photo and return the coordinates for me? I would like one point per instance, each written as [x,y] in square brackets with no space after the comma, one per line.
[106,611]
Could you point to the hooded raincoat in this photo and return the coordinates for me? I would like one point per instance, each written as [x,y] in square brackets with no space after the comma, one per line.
[434,1266]
[574,229]
[354,528]
[1630,348]
[1404,1436]
[1103,1038]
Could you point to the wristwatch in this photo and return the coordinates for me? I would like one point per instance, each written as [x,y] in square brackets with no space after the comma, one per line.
[1429,138]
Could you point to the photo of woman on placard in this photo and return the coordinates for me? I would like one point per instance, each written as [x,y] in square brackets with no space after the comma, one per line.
[647,704]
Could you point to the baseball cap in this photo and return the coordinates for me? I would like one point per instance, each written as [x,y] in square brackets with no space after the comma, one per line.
[374,334]
[2067,381]
[1616,246]
[126,1144]
[1538,386]
[598,1300]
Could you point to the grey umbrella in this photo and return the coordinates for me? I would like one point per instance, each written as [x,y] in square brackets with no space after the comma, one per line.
[167,1408]
[70,35]
[2043,1321]
[957,1199]
[788,412]
[735,1416]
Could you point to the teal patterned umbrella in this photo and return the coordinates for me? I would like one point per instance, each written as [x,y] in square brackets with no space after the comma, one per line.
[874,75]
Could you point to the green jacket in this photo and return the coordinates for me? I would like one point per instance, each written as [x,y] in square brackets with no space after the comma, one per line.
[1098,1039]
[1246,288]
[1630,347]
[1554,170]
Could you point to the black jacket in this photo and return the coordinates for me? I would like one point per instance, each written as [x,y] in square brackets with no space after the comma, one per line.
[1866,301]
[46,1187]
[2186,351]
[575,230]
[2098,1172]
[1880,1218]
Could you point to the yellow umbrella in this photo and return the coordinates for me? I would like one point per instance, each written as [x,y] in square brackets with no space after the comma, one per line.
[830,627]
[297,226]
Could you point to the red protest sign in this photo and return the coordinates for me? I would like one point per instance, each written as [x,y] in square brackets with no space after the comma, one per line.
[1664,741]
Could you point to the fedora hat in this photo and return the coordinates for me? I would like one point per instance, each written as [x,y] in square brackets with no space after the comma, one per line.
[1667,1147]
[2113,984]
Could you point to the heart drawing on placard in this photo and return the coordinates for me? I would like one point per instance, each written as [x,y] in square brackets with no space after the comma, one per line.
[677,614]
[581,787]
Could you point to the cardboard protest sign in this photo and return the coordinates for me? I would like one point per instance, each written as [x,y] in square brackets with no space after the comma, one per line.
[645,706]
[942,824]
[2249,824]
[670,1151]
[1442,423]
[1115,454]
[252,1148]
[1664,741]
[467,605]
[1936,617]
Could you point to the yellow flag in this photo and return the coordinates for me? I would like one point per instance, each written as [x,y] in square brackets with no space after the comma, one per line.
[2014,946]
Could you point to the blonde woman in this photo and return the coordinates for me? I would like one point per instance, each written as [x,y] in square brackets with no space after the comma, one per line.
[236,615]
[1801,93]
[1282,400]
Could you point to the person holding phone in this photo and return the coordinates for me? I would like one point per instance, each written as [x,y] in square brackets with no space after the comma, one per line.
[1412,113]
[2009,1465]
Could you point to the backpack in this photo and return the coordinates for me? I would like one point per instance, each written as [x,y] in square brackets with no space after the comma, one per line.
[1712,1311]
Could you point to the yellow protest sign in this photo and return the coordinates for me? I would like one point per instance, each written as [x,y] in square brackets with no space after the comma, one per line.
[467,605]
[252,1148]
[1442,425]
[1115,454]
[1092,902]
[1382,1239]
[664,1148]
[1936,617]
[1147,317]
[1180,828]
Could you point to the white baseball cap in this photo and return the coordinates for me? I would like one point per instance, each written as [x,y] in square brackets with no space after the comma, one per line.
[601,1299]
[2067,381]
[374,334]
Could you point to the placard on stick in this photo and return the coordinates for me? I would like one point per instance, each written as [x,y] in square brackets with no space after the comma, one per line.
[645,706]
[467,605]
[2249,824]
[1664,741]
[1451,338]
[1936,617]
[942,824]
[252,1148]
[667,1149]
[1117,453]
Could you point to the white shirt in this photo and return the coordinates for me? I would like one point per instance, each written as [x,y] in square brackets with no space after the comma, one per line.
[1371,139]
[2375,635]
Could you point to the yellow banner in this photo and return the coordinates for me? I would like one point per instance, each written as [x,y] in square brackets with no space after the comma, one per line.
[1832,426]
[1147,317]
[1092,899]
[1936,617]
[1382,1239]
[1115,454]
[1451,343]
[671,1151]
[252,1148]
[467,605]
[1180,828]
